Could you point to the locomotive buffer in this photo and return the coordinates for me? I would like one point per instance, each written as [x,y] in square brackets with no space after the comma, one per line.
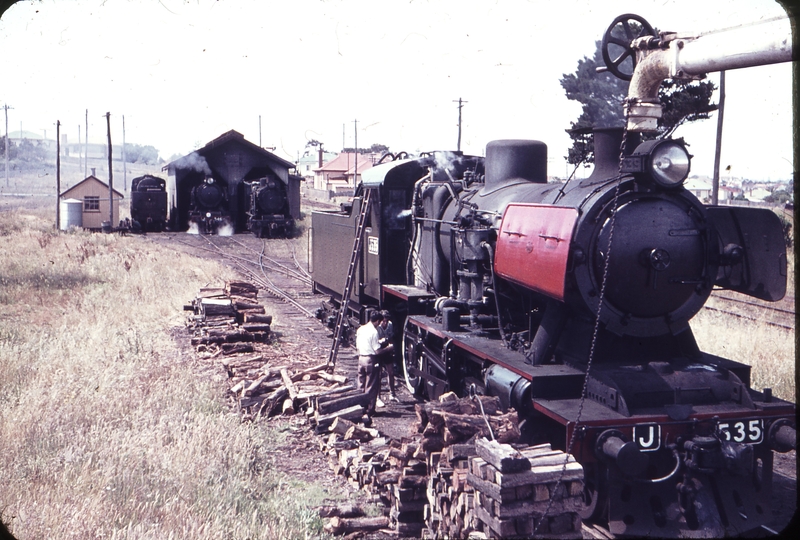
[351,272]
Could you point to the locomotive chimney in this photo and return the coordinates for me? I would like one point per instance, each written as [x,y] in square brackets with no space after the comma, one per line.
[515,159]
[607,143]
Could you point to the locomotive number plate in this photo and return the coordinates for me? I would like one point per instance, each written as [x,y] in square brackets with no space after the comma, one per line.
[372,245]
[742,431]
[647,437]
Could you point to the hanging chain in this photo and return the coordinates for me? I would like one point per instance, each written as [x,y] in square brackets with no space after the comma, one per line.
[595,332]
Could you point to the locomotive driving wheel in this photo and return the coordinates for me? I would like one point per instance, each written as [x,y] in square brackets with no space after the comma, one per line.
[412,360]
[617,43]
[595,494]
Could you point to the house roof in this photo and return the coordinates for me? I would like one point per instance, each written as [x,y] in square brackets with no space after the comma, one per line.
[91,178]
[346,163]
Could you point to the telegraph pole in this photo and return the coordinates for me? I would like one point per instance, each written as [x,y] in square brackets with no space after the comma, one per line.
[124,163]
[58,173]
[86,157]
[460,106]
[355,171]
[80,145]
[110,174]
[6,107]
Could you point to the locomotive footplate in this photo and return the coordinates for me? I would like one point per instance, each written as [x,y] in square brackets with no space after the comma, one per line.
[547,380]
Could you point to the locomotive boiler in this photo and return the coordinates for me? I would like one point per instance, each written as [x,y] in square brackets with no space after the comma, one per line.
[209,211]
[268,208]
[572,303]
[149,203]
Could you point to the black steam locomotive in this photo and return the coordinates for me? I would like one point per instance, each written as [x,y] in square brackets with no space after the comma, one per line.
[571,302]
[209,211]
[149,203]
[268,208]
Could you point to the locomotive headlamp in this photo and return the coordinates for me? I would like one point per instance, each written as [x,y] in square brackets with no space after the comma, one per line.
[666,162]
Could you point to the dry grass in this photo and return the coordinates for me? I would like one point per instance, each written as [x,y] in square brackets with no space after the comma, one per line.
[107,429]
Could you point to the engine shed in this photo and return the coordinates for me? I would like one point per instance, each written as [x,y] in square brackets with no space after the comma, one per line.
[229,161]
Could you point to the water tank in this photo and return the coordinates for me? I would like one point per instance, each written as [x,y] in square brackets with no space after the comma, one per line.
[71,214]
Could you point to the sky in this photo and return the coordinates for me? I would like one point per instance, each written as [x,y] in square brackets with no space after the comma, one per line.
[183,72]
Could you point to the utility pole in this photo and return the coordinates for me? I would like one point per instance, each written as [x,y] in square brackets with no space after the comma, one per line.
[124,162]
[720,111]
[355,172]
[86,157]
[259,131]
[80,147]
[6,107]
[58,173]
[460,106]
[110,175]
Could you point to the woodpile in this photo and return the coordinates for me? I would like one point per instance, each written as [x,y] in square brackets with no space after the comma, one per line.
[450,479]
[228,320]
[227,323]
[522,493]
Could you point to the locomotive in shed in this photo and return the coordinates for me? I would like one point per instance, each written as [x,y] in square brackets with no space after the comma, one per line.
[209,207]
[269,214]
[571,302]
[149,203]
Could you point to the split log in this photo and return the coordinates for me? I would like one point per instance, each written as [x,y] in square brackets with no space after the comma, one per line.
[504,457]
[358,433]
[287,380]
[236,348]
[241,288]
[252,308]
[255,327]
[332,378]
[356,398]
[215,307]
[257,318]
[460,427]
[338,525]
[342,510]
[288,406]
[350,413]
[340,426]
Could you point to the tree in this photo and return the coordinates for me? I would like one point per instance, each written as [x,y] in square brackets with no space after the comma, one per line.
[602,94]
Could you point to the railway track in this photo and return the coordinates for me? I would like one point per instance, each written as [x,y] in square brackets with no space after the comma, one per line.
[779,314]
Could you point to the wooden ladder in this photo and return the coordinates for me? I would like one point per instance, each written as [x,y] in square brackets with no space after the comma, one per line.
[351,273]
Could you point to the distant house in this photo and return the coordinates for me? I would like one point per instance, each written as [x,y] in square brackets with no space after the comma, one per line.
[310,161]
[699,187]
[343,173]
[94,194]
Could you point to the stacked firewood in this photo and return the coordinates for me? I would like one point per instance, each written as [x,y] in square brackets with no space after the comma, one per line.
[228,319]
[263,389]
[524,493]
[449,429]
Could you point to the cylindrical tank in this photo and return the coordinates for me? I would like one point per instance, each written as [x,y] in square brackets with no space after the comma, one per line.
[71,214]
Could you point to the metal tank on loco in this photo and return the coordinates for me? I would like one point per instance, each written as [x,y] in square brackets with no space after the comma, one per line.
[209,206]
[149,203]
[268,211]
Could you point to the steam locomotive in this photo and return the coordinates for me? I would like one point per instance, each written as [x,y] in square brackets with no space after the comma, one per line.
[149,203]
[268,209]
[571,302]
[209,210]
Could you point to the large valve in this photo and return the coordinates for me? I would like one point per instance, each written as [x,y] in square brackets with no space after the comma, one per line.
[617,41]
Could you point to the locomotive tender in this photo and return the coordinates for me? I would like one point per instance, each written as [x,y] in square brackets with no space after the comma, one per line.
[571,302]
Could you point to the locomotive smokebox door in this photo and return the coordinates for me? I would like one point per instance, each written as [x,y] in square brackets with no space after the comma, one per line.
[752,251]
